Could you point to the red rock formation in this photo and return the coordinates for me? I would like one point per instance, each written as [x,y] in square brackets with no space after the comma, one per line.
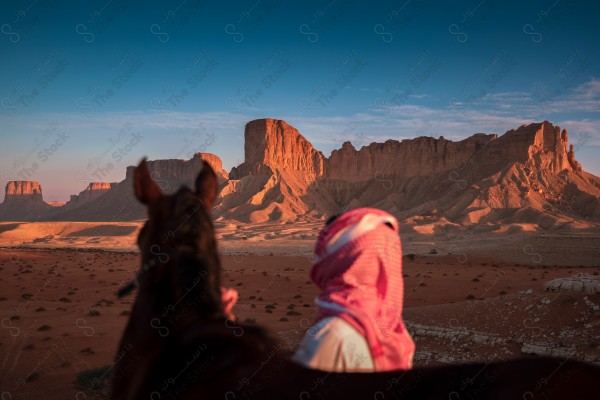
[412,157]
[183,170]
[216,164]
[92,192]
[23,201]
[544,144]
[525,176]
[483,178]
[271,143]
[541,144]
[20,190]
[574,163]
[119,204]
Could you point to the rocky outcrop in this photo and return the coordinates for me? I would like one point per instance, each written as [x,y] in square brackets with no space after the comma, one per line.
[273,144]
[92,192]
[216,164]
[180,170]
[572,161]
[454,334]
[20,190]
[422,156]
[526,176]
[517,177]
[23,201]
[277,180]
[119,203]
[576,283]
[185,170]
[542,144]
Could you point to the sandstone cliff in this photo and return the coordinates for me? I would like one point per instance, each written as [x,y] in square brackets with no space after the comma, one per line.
[119,204]
[23,201]
[180,171]
[422,156]
[271,143]
[91,192]
[19,190]
[277,181]
[526,175]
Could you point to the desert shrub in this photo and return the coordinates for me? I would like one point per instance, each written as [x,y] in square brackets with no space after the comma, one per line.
[93,380]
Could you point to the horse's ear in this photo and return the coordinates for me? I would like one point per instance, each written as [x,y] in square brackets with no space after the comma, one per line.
[146,190]
[206,185]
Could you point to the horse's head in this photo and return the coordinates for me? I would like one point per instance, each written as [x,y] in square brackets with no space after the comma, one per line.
[180,271]
[179,313]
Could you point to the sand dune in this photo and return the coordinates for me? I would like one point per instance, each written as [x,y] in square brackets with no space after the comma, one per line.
[519,243]
[113,235]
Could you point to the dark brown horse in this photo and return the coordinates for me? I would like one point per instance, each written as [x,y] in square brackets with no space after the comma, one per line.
[179,344]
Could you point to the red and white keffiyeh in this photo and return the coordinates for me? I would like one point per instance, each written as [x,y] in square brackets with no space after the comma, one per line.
[359,271]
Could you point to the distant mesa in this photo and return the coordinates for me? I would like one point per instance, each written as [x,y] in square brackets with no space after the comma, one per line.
[169,172]
[91,192]
[118,203]
[23,201]
[21,190]
[527,178]
[54,203]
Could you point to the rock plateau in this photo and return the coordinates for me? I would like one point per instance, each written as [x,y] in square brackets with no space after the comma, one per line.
[23,201]
[525,179]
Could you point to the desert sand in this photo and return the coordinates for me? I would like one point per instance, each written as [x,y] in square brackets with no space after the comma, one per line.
[468,295]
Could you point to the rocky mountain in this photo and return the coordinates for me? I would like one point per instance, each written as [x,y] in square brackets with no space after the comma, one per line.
[525,179]
[103,201]
[527,176]
[271,144]
[23,201]
[277,181]
[118,202]
[422,156]
[91,192]
[23,190]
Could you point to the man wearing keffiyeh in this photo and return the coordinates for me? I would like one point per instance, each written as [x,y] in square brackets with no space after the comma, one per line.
[358,269]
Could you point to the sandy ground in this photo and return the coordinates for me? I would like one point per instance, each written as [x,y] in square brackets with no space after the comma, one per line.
[520,246]
[476,298]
